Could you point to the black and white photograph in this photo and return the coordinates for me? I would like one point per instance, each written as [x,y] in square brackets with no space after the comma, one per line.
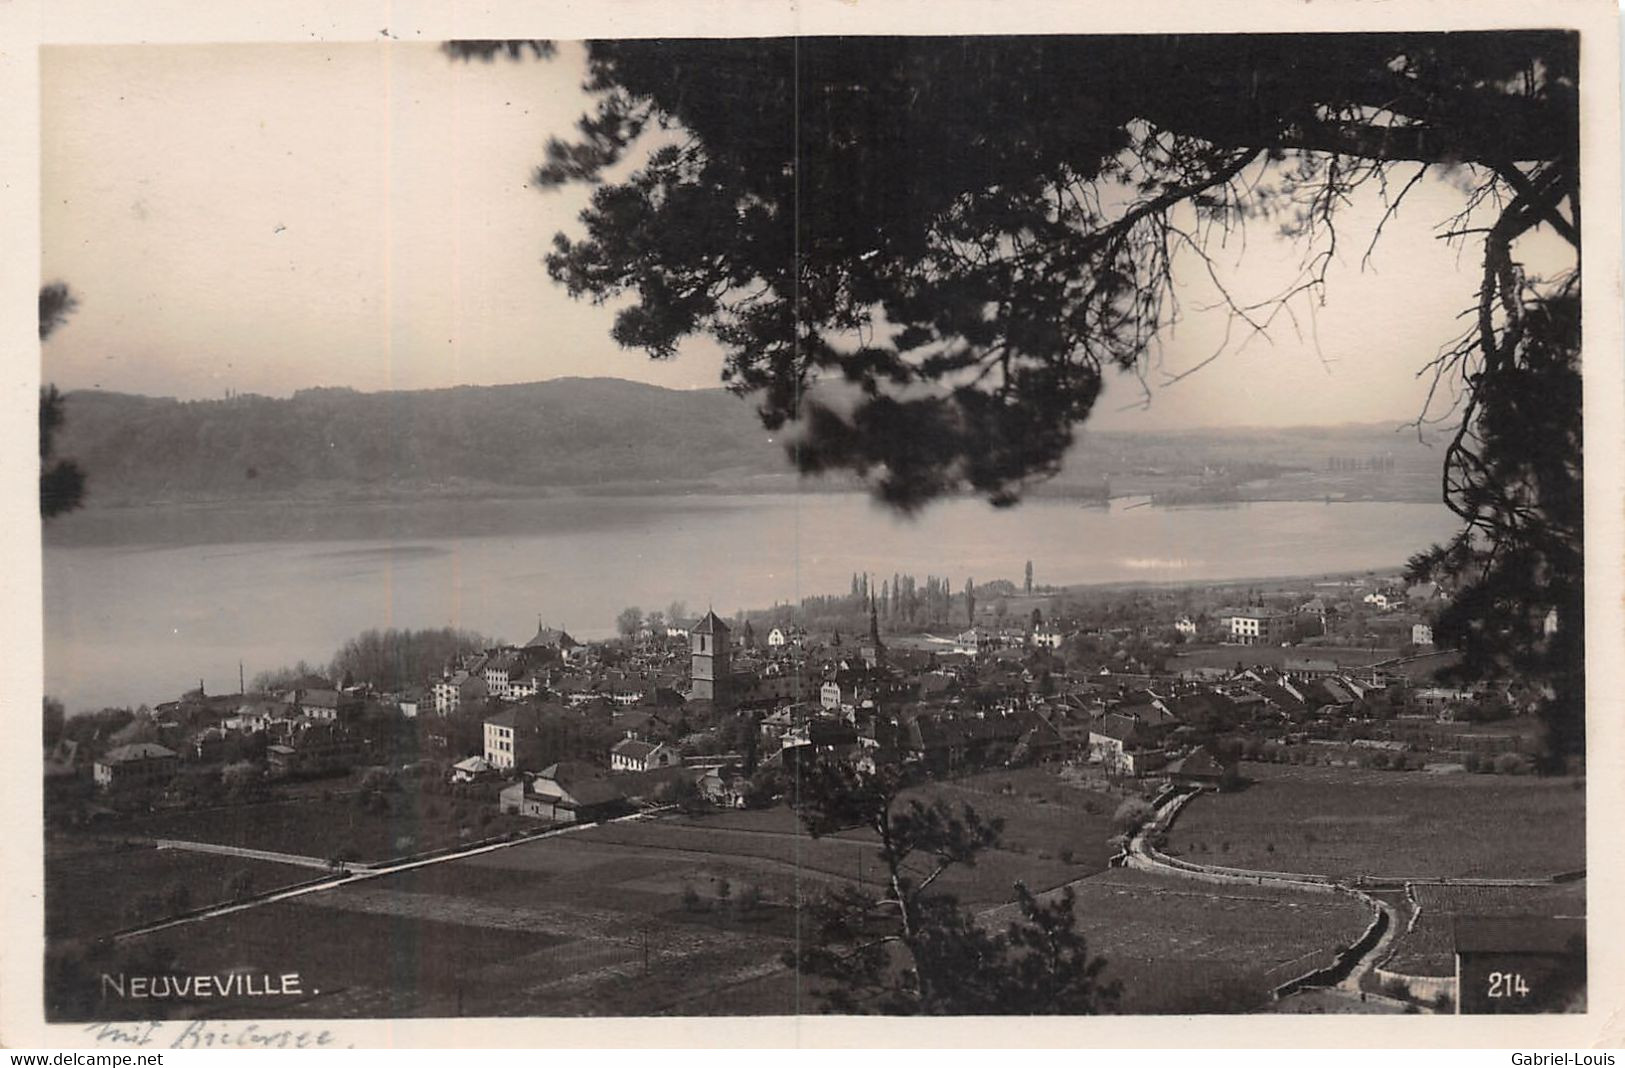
[953,522]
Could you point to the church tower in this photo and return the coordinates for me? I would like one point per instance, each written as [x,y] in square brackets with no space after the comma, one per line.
[710,663]
[873,651]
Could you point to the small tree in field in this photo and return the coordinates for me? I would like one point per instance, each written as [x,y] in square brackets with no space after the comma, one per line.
[910,948]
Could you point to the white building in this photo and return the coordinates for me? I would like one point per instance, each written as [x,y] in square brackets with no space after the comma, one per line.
[1259,626]
[447,693]
[1046,636]
[140,764]
[633,754]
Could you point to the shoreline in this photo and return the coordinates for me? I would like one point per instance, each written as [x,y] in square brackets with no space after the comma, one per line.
[98,526]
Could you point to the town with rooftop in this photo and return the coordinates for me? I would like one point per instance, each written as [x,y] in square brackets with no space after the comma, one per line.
[1260,795]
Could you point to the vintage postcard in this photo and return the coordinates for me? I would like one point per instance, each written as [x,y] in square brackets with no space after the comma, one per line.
[819,517]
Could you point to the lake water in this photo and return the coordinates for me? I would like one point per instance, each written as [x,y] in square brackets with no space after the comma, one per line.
[141,605]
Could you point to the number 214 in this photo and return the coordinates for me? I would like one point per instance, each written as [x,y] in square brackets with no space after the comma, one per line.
[1508,985]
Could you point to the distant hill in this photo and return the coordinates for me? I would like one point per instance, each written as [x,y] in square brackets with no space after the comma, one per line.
[338,442]
[585,435]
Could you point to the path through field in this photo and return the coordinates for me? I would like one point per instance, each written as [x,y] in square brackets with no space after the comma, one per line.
[351,877]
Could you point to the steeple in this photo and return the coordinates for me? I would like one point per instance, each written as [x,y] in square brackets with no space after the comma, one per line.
[710,666]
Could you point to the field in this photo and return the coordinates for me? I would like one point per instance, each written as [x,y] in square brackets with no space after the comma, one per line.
[671,915]
[691,916]
[80,901]
[1053,834]
[1347,823]
[559,926]
[1429,948]
[319,828]
[577,926]
[1180,946]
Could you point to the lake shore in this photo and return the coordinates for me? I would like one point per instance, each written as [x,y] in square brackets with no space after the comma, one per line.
[165,597]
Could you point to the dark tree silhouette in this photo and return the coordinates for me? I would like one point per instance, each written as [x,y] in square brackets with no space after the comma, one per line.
[908,947]
[61,482]
[1518,604]
[967,232]
[56,303]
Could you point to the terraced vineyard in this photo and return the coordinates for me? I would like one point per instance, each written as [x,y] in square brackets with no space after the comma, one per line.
[1186,947]
[1429,947]
[1348,823]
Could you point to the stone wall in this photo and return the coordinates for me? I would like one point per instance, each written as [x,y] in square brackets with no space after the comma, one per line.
[1424,988]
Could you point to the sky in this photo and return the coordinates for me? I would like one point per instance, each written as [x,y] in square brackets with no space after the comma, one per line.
[268,218]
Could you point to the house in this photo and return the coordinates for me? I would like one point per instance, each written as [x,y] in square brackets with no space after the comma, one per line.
[1207,709]
[948,742]
[472,769]
[1041,743]
[1120,745]
[458,689]
[1259,626]
[1306,668]
[567,792]
[549,644]
[723,788]
[1281,696]
[315,748]
[776,638]
[505,734]
[1421,634]
[499,669]
[137,765]
[1048,636]
[775,725]
[1440,701]
[281,759]
[1198,768]
[1186,626]
[253,717]
[528,683]
[327,706]
[973,641]
[634,754]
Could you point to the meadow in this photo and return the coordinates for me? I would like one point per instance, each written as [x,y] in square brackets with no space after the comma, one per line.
[407,822]
[78,876]
[1348,823]
[559,926]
